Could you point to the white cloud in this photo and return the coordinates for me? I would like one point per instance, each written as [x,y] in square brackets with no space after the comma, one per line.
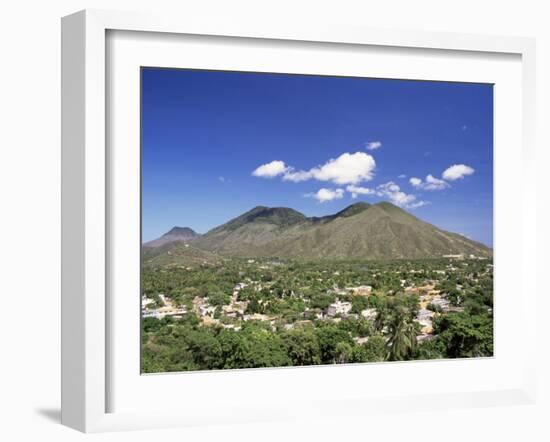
[373,145]
[271,170]
[431,183]
[402,176]
[348,168]
[393,192]
[356,191]
[457,172]
[390,186]
[297,176]
[418,204]
[323,195]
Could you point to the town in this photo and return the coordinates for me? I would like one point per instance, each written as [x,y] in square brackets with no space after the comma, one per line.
[310,313]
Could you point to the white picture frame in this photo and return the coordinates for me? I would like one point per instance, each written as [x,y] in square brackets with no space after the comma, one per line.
[86,208]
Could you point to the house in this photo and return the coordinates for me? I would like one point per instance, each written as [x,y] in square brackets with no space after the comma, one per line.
[152,314]
[340,291]
[207,320]
[234,309]
[427,288]
[145,301]
[441,302]
[256,317]
[425,319]
[424,315]
[228,310]
[231,327]
[369,313]
[338,307]
[362,290]
[168,310]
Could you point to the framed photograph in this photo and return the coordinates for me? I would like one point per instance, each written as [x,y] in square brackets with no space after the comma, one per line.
[292,223]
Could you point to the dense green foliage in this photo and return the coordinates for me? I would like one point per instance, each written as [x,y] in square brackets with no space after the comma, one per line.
[293,328]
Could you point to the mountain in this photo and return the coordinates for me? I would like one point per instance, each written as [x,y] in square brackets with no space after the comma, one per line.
[175,234]
[177,253]
[362,231]
[175,248]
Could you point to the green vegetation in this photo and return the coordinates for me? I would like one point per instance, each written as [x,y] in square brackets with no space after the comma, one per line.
[265,312]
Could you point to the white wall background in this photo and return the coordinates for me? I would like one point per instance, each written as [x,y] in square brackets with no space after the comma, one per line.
[30,214]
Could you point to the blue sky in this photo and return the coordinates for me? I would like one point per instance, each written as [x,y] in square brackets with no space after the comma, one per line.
[216,144]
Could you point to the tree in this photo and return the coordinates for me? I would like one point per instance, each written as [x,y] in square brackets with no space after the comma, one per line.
[254,306]
[455,297]
[356,327]
[218,298]
[302,346]
[383,316]
[434,307]
[359,303]
[463,335]
[234,349]
[342,352]
[265,348]
[376,349]
[150,325]
[402,337]
[329,337]
[322,301]
[205,348]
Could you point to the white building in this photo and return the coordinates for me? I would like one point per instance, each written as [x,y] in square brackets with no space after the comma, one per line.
[369,313]
[145,301]
[360,290]
[338,307]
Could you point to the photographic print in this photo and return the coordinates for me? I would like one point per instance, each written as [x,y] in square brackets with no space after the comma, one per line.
[301,220]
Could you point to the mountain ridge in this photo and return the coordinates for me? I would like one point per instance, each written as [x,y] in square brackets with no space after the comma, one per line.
[361,230]
[380,230]
[175,234]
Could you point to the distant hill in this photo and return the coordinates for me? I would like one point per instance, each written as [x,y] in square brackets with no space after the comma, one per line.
[175,247]
[362,230]
[185,234]
[177,253]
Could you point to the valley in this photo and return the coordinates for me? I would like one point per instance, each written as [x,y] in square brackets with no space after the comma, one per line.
[273,288]
[242,313]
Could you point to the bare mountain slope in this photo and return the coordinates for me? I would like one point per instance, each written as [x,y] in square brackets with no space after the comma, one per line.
[379,231]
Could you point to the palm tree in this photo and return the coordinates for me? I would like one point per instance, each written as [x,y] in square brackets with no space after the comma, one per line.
[382,318]
[402,340]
